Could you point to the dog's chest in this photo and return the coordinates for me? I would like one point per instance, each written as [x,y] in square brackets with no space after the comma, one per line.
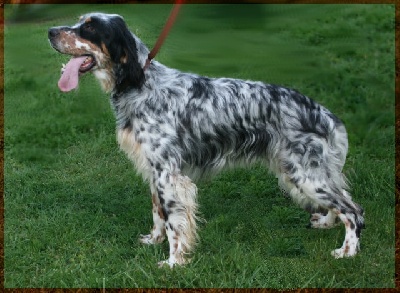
[133,148]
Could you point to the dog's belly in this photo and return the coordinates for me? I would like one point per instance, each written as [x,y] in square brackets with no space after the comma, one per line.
[227,147]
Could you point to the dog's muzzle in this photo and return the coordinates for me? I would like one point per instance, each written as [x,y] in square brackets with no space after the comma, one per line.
[54,34]
[62,39]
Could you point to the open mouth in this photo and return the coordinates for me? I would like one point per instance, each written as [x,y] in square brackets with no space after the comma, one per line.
[87,64]
[71,72]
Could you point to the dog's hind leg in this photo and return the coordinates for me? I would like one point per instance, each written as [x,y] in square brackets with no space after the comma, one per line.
[354,222]
[307,192]
[314,179]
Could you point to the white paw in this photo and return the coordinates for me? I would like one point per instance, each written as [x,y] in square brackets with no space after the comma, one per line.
[62,68]
[167,262]
[322,222]
[343,252]
[146,239]
[177,260]
[149,239]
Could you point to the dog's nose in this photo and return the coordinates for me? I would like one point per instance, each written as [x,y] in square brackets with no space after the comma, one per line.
[53,32]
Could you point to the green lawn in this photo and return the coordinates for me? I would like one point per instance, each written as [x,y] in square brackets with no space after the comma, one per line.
[74,207]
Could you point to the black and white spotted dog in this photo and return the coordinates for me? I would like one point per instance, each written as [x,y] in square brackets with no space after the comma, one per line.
[176,126]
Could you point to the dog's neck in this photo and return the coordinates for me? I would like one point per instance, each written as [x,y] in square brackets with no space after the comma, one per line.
[142,51]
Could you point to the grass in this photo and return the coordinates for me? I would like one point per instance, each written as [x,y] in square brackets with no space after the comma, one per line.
[74,207]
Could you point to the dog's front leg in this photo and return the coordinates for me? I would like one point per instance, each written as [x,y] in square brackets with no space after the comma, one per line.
[157,234]
[177,197]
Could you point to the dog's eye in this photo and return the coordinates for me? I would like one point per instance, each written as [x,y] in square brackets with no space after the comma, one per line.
[89,28]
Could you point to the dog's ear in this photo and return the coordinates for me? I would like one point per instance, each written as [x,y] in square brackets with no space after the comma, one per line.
[123,53]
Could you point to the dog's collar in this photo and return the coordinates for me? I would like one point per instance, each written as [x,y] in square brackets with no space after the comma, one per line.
[147,63]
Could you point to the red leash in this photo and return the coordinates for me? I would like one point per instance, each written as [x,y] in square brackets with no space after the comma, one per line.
[164,33]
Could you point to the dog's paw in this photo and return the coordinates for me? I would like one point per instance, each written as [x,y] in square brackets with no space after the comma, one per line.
[146,239]
[165,263]
[343,252]
[172,262]
[150,240]
[62,68]
[320,221]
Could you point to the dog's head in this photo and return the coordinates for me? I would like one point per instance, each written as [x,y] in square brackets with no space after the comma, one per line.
[102,44]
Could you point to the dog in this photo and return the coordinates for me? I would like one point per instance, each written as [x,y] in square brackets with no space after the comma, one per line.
[177,127]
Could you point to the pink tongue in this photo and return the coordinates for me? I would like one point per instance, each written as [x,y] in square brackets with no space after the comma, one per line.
[69,78]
